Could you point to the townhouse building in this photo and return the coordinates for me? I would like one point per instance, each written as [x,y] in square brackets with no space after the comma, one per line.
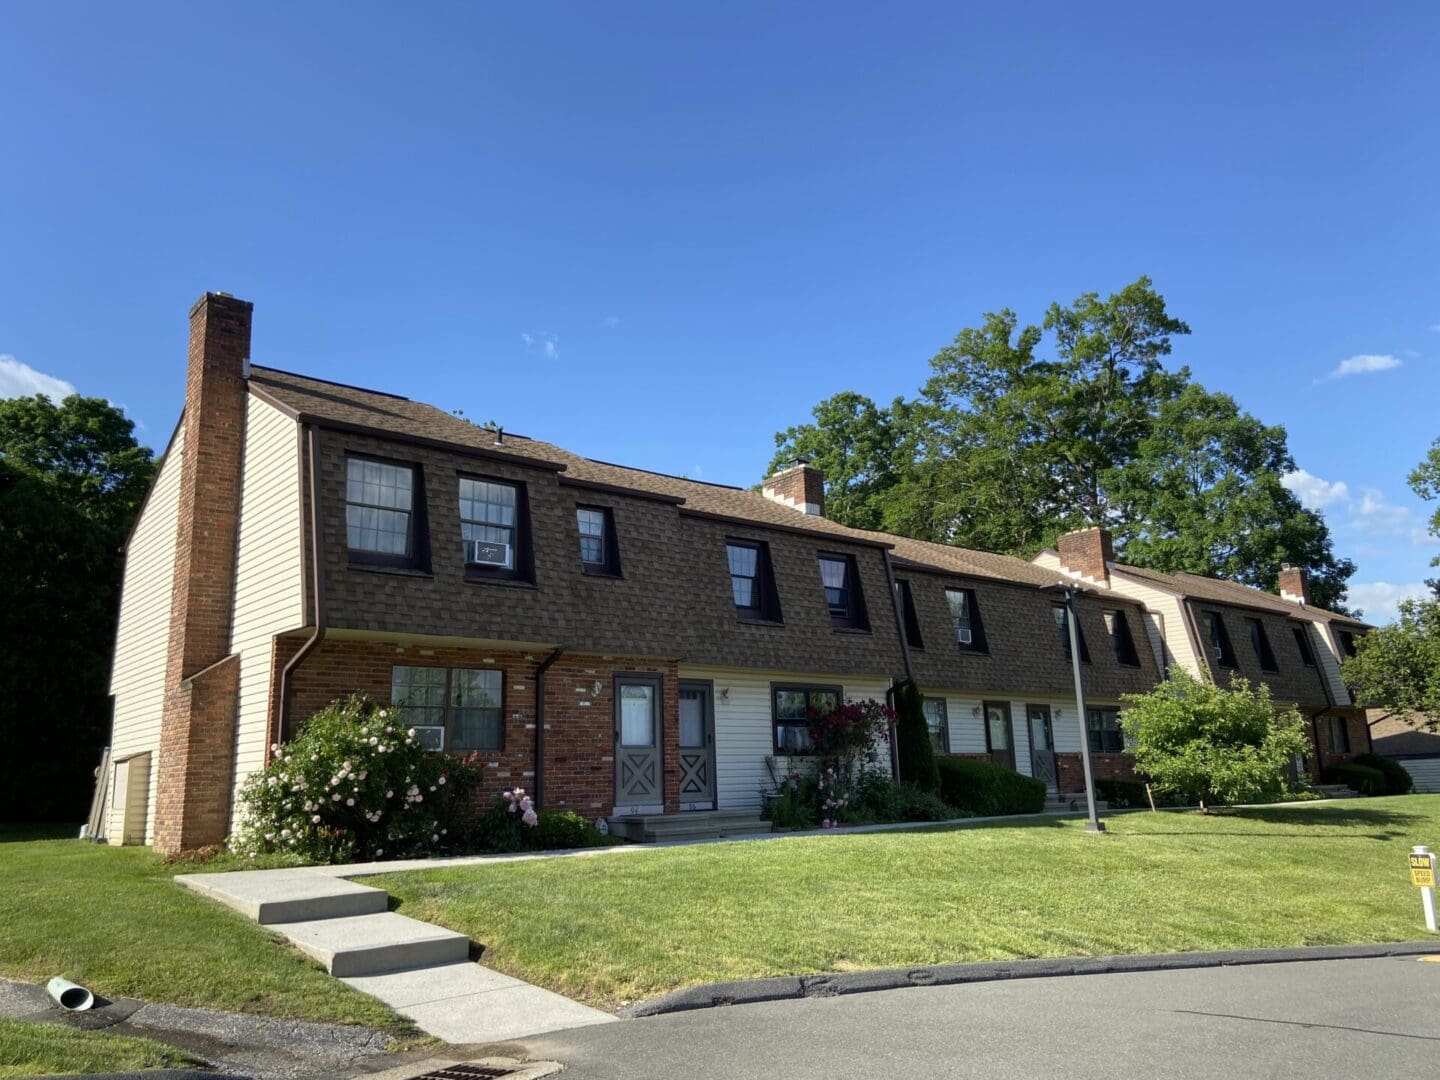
[620,642]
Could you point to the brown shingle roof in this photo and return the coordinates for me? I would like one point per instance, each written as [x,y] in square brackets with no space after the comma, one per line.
[1222,591]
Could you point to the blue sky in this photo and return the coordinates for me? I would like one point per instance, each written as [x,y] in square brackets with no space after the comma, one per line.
[658,233]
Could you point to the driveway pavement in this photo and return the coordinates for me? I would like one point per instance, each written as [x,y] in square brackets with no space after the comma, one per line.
[1327,1019]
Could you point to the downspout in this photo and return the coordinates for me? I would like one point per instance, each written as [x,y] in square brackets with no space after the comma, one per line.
[904,652]
[317,582]
[538,787]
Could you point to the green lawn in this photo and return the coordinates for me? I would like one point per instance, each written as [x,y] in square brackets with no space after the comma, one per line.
[35,1049]
[114,920]
[617,929]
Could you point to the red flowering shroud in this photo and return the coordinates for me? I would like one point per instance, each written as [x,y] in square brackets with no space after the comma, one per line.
[850,729]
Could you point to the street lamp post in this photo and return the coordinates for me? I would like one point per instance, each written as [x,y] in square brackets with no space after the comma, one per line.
[1072,626]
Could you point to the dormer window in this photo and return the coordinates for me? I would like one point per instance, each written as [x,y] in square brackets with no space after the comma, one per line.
[1118,626]
[1302,642]
[493,525]
[909,620]
[384,513]
[599,553]
[841,581]
[752,581]
[965,620]
[1260,642]
[1061,615]
[1218,640]
[1346,641]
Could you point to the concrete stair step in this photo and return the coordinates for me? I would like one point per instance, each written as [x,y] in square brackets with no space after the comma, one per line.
[689,825]
[271,897]
[372,944]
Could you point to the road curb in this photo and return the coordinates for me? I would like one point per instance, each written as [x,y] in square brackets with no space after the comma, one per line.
[750,991]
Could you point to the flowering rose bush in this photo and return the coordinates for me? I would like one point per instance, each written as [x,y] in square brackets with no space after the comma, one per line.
[504,825]
[353,785]
[852,731]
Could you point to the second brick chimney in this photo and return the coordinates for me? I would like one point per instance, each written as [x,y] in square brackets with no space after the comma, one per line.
[195,772]
[1088,553]
[800,487]
[1294,585]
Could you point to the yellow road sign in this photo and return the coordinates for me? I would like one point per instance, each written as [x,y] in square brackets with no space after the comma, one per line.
[1422,871]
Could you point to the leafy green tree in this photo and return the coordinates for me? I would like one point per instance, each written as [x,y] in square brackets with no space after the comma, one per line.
[71,480]
[1024,432]
[1425,482]
[1398,666]
[1213,743]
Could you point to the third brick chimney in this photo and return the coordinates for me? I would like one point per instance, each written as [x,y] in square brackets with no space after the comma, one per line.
[1294,585]
[800,487]
[1088,553]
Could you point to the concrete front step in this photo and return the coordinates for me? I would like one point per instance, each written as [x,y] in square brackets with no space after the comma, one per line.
[373,944]
[1055,804]
[285,896]
[1337,791]
[688,825]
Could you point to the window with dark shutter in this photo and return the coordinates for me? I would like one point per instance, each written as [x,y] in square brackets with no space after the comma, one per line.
[840,579]
[1260,642]
[1117,624]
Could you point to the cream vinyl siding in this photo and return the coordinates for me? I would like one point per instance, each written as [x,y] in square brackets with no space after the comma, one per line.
[1327,655]
[744,735]
[967,722]
[137,679]
[269,588]
[1164,620]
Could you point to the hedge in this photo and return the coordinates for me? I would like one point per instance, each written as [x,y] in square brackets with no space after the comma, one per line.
[984,790]
[1398,780]
[1361,778]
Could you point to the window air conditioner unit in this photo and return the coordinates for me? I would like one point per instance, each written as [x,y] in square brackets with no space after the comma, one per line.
[964,636]
[486,553]
[431,737]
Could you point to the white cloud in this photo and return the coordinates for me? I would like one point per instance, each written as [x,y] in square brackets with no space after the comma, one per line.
[1375,515]
[1365,364]
[1313,492]
[1380,600]
[1435,327]
[547,345]
[612,321]
[21,380]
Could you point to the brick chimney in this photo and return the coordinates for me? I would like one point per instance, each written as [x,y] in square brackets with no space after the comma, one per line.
[1088,553]
[1294,585]
[800,487]
[196,768]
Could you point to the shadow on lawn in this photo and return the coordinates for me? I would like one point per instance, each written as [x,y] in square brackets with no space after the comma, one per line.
[26,832]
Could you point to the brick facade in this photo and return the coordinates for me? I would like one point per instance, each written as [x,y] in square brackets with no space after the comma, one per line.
[579,771]
[192,794]
[1070,770]
[1357,730]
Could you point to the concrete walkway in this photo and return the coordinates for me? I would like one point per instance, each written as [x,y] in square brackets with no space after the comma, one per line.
[420,970]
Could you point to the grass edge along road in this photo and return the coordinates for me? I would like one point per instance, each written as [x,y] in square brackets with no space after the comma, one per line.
[33,1049]
[614,931]
[114,919]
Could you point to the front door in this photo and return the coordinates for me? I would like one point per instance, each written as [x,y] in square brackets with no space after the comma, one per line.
[999,737]
[697,746]
[639,769]
[1042,746]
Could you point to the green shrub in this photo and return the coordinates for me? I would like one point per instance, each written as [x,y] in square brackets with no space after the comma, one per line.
[793,803]
[914,753]
[1361,778]
[562,829]
[353,785]
[983,789]
[507,825]
[914,804]
[1398,780]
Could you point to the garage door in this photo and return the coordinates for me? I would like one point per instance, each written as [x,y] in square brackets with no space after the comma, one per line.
[1426,772]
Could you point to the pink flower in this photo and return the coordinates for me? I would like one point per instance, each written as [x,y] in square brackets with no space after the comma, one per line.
[530,818]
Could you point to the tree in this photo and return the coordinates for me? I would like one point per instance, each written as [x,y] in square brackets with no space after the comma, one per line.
[913,751]
[1398,666]
[71,480]
[1025,432]
[1212,743]
[1425,482]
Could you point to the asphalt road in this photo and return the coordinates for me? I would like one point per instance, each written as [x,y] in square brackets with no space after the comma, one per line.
[1372,1019]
